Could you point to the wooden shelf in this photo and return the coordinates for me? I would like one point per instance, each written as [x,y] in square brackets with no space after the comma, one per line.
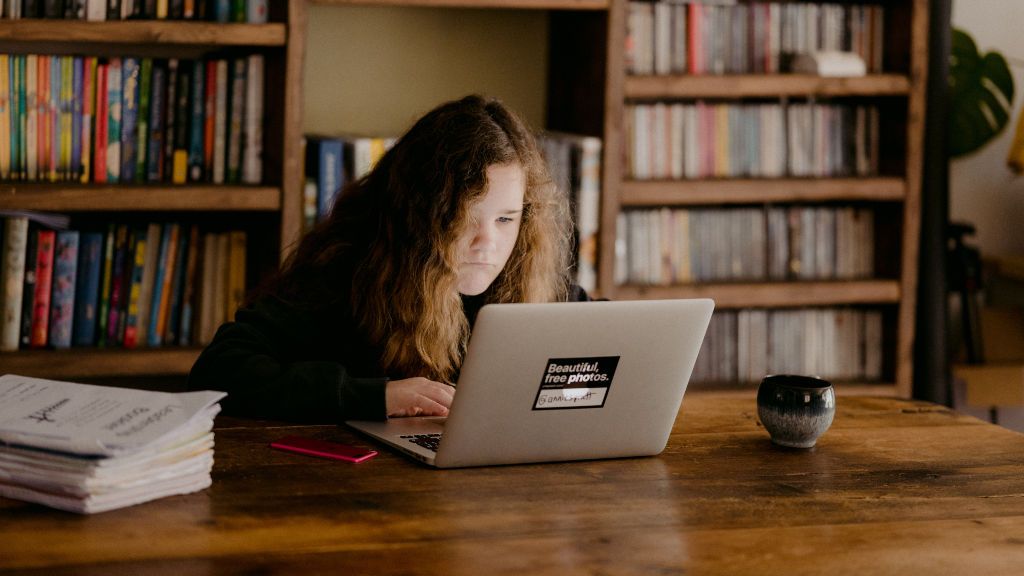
[768,86]
[637,193]
[773,294]
[98,362]
[145,32]
[93,198]
[507,4]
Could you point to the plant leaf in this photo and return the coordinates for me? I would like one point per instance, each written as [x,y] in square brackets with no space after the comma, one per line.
[981,94]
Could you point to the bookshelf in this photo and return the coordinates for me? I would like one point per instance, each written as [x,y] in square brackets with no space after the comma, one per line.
[894,191]
[588,92]
[268,211]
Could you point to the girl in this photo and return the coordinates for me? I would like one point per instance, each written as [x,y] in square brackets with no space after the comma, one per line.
[371,315]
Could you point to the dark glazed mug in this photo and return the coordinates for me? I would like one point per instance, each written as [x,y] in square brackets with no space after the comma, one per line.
[795,410]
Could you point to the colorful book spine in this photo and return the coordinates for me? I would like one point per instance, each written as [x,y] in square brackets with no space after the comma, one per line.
[183,91]
[148,276]
[87,289]
[142,118]
[174,303]
[130,78]
[115,333]
[131,328]
[12,280]
[99,165]
[28,290]
[32,126]
[106,282]
[161,285]
[115,115]
[89,78]
[209,117]
[171,119]
[62,300]
[189,291]
[44,284]
[5,116]
[196,128]
[157,115]
[324,156]
[77,114]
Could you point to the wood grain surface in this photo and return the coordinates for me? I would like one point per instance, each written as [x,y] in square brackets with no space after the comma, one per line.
[894,487]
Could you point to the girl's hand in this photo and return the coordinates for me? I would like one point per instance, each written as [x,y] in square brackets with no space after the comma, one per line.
[418,397]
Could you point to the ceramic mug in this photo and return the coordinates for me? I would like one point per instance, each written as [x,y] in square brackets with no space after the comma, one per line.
[795,410]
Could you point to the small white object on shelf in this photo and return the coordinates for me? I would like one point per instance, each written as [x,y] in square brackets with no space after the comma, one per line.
[830,63]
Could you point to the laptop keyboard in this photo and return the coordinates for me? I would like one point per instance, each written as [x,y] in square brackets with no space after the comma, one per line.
[428,441]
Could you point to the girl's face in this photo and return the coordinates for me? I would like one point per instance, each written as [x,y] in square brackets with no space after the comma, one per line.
[493,227]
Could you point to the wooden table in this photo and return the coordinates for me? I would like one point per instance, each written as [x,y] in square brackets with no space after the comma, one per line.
[895,487]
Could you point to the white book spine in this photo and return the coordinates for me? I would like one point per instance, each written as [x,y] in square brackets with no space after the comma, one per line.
[12,272]
[220,123]
[252,134]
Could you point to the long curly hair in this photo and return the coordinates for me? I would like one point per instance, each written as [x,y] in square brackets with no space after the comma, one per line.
[394,234]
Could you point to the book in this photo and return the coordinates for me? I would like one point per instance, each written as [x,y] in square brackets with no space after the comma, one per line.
[177,289]
[138,251]
[157,117]
[118,298]
[46,239]
[252,132]
[58,450]
[207,325]
[62,299]
[106,282]
[5,116]
[115,109]
[12,280]
[235,120]
[143,117]
[182,121]
[161,284]
[87,287]
[150,259]
[189,292]
[220,126]
[129,130]
[171,118]
[100,114]
[196,130]
[28,291]
[324,165]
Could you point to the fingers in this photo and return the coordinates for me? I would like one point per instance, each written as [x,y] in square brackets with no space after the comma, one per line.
[418,397]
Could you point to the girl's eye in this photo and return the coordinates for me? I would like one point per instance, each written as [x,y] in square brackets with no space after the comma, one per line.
[506,219]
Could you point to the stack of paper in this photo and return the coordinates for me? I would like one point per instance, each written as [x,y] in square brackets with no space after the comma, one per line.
[87,449]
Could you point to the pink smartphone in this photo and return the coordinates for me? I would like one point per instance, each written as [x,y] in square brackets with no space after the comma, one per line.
[324,449]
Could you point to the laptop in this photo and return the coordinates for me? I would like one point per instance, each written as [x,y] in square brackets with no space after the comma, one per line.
[561,381]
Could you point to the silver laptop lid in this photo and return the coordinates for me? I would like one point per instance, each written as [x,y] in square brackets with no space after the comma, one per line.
[571,381]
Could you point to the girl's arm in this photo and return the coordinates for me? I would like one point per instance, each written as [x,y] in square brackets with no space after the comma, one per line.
[278,362]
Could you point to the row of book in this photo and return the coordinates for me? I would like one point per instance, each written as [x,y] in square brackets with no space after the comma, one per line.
[670,37]
[677,246]
[331,163]
[717,140]
[574,161]
[131,120]
[833,343]
[128,286]
[251,11]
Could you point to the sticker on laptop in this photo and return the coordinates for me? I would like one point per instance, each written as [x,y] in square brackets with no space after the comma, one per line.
[575,383]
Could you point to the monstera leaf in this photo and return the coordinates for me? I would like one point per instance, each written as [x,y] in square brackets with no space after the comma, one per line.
[981,94]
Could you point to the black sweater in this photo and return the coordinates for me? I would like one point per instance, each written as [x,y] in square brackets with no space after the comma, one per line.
[286,362]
